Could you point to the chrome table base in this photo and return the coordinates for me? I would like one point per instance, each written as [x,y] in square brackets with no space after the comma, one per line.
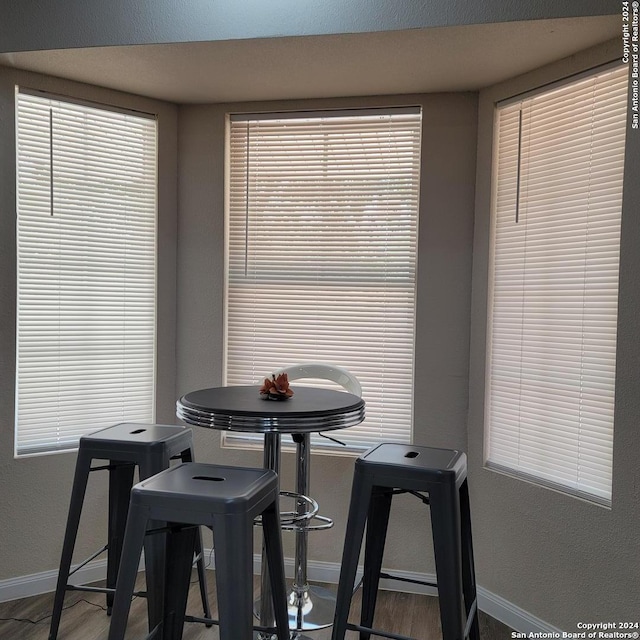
[311,609]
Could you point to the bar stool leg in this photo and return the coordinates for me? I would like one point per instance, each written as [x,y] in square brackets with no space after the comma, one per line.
[358,510]
[180,547]
[273,545]
[120,483]
[202,576]
[468,571]
[187,456]
[154,551]
[132,548]
[377,525]
[445,525]
[155,568]
[234,576]
[78,491]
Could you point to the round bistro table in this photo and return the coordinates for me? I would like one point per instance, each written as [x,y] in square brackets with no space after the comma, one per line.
[310,410]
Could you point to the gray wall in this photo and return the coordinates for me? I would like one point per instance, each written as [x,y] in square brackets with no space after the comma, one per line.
[560,558]
[444,281]
[35,491]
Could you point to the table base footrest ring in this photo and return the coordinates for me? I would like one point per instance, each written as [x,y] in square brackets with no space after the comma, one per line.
[325,523]
[293,519]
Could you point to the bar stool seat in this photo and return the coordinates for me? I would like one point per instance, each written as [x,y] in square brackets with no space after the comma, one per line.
[227,499]
[150,448]
[441,474]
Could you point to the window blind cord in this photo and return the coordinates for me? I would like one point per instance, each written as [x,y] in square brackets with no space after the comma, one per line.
[51,161]
[246,204]
[519,166]
[524,278]
[584,297]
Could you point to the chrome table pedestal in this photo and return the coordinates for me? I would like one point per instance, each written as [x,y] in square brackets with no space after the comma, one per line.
[311,410]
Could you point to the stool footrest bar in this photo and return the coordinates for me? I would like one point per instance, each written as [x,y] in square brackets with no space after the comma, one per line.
[417,494]
[154,632]
[202,620]
[377,632]
[212,621]
[473,612]
[88,589]
[174,528]
[89,559]
[420,496]
[112,466]
[388,576]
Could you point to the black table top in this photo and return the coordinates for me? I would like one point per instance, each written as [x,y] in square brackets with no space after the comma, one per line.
[242,408]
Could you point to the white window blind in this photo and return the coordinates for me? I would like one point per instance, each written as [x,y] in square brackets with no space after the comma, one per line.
[322,227]
[558,174]
[86,270]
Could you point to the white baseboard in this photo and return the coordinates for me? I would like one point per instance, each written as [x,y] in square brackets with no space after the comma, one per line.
[318,571]
[44,582]
[512,615]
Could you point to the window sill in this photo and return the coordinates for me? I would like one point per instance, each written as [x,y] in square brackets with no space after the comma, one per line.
[549,485]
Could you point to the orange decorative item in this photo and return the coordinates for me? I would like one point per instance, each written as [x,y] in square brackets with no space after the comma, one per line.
[277,388]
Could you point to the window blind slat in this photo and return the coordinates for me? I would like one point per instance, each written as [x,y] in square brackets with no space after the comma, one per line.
[321,256]
[86,271]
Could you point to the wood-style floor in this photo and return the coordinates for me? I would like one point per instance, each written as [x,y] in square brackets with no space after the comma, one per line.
[407,614]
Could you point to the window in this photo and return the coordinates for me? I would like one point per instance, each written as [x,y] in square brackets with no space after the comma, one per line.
[86,234]
[321,254]
[558,174]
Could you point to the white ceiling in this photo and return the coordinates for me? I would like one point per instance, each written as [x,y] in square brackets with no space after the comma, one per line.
[391,62]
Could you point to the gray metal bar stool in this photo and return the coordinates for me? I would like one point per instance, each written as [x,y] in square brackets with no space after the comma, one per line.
[150,447]
[227,499]
[381,473]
